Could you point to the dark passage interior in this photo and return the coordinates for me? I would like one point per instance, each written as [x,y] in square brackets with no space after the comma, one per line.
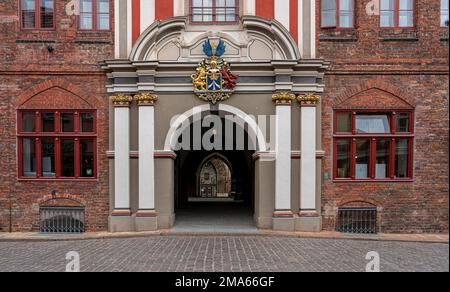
[214,191]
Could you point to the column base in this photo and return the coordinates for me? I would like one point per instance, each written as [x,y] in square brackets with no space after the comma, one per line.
[121,222]
[308,221]
[146,223]
[283,221]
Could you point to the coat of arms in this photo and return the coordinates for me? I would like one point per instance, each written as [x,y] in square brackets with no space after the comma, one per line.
[213,80]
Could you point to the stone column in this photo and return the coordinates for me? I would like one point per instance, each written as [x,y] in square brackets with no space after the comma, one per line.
[120,219]
[146,216]
[309,219]
[283,216]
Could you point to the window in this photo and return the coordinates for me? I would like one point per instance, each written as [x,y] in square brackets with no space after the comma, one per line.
[37,14]
[57,144]
[214,11]
[370,145]
[444,13]
[396,13]
[94,15]
[338,13]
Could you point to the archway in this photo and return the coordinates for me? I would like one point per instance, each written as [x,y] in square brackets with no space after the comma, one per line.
[214,188]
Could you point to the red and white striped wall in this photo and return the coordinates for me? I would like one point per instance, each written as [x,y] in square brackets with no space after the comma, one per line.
[134,16]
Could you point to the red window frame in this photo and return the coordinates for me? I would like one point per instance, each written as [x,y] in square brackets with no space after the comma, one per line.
[95,15]
[397,16]
[57,135]
[37,17]
[337,15]
[393,136]
[214,14]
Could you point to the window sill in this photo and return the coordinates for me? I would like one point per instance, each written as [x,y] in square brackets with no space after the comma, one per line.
[398,34]
[23,179]
[408,180]
[338,35]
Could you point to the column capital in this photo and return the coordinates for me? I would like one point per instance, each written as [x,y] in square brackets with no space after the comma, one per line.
[308,99]
[121,100]
[146,99]
[283,98]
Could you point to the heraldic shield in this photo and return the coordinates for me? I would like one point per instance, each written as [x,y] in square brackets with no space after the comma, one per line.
[213,80]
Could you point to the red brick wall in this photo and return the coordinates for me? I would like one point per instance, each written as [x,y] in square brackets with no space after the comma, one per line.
[412,68]
[28,71]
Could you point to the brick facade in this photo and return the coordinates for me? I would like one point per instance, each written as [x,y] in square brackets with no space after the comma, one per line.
[33,76]
[373,68]
[370,68]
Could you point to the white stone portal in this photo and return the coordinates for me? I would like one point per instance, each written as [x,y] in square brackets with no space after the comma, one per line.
[122,158]
[146,158]
[308,159]
[283,158]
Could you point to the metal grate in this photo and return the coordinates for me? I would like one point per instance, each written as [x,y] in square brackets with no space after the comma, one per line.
[62,219]
[357,220]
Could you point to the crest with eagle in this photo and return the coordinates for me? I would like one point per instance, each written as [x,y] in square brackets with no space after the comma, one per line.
[213,80]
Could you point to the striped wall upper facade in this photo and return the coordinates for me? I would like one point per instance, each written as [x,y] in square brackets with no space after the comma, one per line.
[133,17]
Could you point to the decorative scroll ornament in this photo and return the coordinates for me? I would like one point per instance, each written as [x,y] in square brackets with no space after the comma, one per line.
[146,99]
[213,80]
[121,100]
[308,99]
[283,97]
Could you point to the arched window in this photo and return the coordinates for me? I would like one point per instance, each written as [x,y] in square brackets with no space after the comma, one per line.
[214,11]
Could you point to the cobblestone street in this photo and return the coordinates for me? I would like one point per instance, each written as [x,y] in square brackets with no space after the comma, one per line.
[223,254]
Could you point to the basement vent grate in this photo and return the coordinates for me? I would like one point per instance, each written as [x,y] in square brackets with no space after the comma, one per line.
[357,220]
[62,220]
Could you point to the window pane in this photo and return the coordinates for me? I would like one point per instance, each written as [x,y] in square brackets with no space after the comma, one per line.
[67,122]
[406,4]
[444,12]
[362,158]
[343,122]
[406,18]
[28,122]
[328,13]
[87,158]
[346,13]
[87,122]
[46,13]
[67,158]
[48,157]
[387,4]
[48,122]
[220,14]
[382,163]
[231,14]
[28,13]
[387,18]
[401,158]
[402,122]
[103,21]
[387,13]
[28,157]
[343,159]
[103,14]
[372,124]
[86,11]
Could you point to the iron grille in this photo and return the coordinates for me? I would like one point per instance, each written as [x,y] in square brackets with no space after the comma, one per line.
[62,219]
[357,220]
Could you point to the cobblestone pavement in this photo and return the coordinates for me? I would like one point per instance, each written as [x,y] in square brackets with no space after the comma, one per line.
[223,254]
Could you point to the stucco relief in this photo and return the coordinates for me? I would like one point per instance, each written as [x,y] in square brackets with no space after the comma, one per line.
[255,40]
